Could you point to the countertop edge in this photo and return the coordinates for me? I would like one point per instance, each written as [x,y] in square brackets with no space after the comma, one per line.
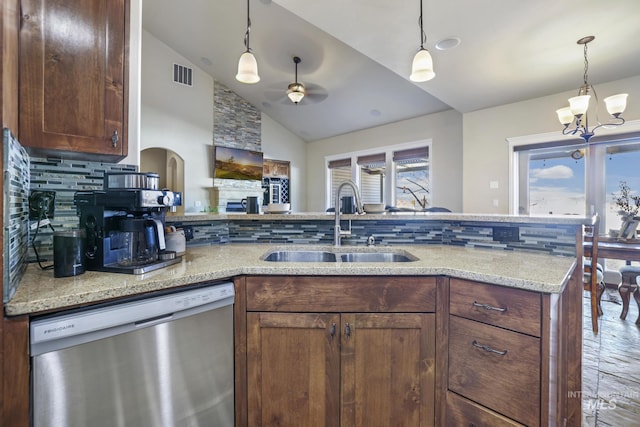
[39,292]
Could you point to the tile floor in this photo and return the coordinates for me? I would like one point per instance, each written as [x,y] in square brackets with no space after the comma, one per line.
[611,366]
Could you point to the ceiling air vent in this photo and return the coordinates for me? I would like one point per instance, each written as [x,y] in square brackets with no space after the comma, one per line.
[182,75]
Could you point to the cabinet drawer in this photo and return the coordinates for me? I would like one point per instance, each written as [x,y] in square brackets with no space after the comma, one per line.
[509,308]
[379,294]
[497,368]
[463,412]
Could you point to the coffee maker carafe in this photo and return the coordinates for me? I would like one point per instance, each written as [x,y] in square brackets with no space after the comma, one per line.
[137,240]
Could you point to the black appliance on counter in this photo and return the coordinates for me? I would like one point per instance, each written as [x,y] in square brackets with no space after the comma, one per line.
[124,223]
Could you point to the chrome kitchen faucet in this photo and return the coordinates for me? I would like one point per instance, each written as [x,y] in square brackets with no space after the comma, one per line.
[337,231]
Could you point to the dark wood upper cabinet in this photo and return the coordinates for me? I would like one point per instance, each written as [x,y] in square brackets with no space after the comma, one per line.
[73,90]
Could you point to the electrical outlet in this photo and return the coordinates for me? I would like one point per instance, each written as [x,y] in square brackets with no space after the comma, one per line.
[41,205]
[506,234]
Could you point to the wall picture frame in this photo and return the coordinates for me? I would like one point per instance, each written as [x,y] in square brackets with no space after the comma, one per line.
[236,163]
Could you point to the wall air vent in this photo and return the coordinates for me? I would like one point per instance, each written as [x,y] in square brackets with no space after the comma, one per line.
[182,75]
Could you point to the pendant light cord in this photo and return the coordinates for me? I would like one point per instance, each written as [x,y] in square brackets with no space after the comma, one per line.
[423,36]
[246,35]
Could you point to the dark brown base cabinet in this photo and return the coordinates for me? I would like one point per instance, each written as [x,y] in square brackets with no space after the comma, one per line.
[336,351]
[405,351]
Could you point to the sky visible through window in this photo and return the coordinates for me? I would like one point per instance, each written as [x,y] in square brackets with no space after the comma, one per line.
[557,185]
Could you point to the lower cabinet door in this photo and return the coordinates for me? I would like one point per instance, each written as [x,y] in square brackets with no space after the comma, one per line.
[319,369]
[463,412]
[498,368]
[293,368]
[388,370]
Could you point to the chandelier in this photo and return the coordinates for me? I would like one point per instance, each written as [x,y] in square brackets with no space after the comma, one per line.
[576,112]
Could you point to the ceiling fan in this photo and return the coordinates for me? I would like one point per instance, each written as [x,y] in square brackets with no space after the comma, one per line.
[297,93]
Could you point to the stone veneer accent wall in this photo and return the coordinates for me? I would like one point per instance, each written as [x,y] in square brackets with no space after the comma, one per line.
[236,124]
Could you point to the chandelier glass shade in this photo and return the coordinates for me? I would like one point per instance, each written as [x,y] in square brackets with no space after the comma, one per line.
[296,91]
[247,65]
[422,67]
[575,117]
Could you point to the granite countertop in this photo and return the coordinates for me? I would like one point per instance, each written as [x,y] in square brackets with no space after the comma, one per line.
[39,291]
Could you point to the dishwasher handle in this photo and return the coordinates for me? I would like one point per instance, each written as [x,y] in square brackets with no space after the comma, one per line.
[154,320]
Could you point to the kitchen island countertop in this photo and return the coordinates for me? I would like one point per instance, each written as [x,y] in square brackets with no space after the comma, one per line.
[40,292]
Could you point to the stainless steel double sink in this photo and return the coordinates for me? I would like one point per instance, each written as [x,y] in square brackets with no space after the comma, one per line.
[380,255]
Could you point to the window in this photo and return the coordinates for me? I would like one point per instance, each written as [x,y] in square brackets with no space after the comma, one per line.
[412,178]
[552,180]
[397,175]
[372,177]
[576,179]
[339,171]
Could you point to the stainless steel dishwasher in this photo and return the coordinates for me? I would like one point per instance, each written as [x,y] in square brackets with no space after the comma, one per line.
[161,361]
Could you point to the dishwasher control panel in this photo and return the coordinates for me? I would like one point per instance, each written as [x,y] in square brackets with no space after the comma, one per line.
[130,315]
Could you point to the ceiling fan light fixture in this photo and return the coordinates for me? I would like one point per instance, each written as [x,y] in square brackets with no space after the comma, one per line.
[247,64]
[422,68]
[296,92]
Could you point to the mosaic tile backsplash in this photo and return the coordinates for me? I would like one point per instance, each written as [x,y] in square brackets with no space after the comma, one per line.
[65,177]
[549,239]
[16,213]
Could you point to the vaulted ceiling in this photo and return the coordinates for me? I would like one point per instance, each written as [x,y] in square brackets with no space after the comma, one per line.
[356,54]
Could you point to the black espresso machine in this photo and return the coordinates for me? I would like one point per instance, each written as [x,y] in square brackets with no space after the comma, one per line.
[124,223]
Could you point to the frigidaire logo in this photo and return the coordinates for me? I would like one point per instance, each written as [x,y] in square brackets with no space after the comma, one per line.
[59,328]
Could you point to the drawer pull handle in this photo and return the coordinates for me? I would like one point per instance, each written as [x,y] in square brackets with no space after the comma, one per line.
[347,331]
[332,331]
[488,349]
[489,307]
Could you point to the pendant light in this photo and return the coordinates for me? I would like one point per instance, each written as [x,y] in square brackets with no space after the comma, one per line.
[296,90]
[579,105]
[247,65]
[422,68]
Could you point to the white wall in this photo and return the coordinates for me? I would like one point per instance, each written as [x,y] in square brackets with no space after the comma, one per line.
[486,151]
[445,131]
[178,117]
[181,119]
[280,144]
[135,42]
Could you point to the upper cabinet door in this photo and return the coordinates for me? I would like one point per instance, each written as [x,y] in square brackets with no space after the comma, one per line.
[74,78]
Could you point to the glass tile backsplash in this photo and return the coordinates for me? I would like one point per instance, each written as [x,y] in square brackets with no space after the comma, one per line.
[15,166]
[23,174]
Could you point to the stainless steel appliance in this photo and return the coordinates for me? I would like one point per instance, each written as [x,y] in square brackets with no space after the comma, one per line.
[125,225]
[165,361]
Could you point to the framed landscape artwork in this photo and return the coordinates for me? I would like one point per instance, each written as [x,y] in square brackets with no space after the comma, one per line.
[234,163]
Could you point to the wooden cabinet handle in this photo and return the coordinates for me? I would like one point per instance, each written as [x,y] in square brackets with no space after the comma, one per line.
[114,138]
[489,307]
[347,330]
[488,349]
[332,330]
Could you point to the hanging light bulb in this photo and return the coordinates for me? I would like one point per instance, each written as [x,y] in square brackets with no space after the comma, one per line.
[579,105]
[247,65]
[422,67]
[296,90]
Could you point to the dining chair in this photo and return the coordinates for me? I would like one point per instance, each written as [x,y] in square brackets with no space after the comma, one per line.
[593,278]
